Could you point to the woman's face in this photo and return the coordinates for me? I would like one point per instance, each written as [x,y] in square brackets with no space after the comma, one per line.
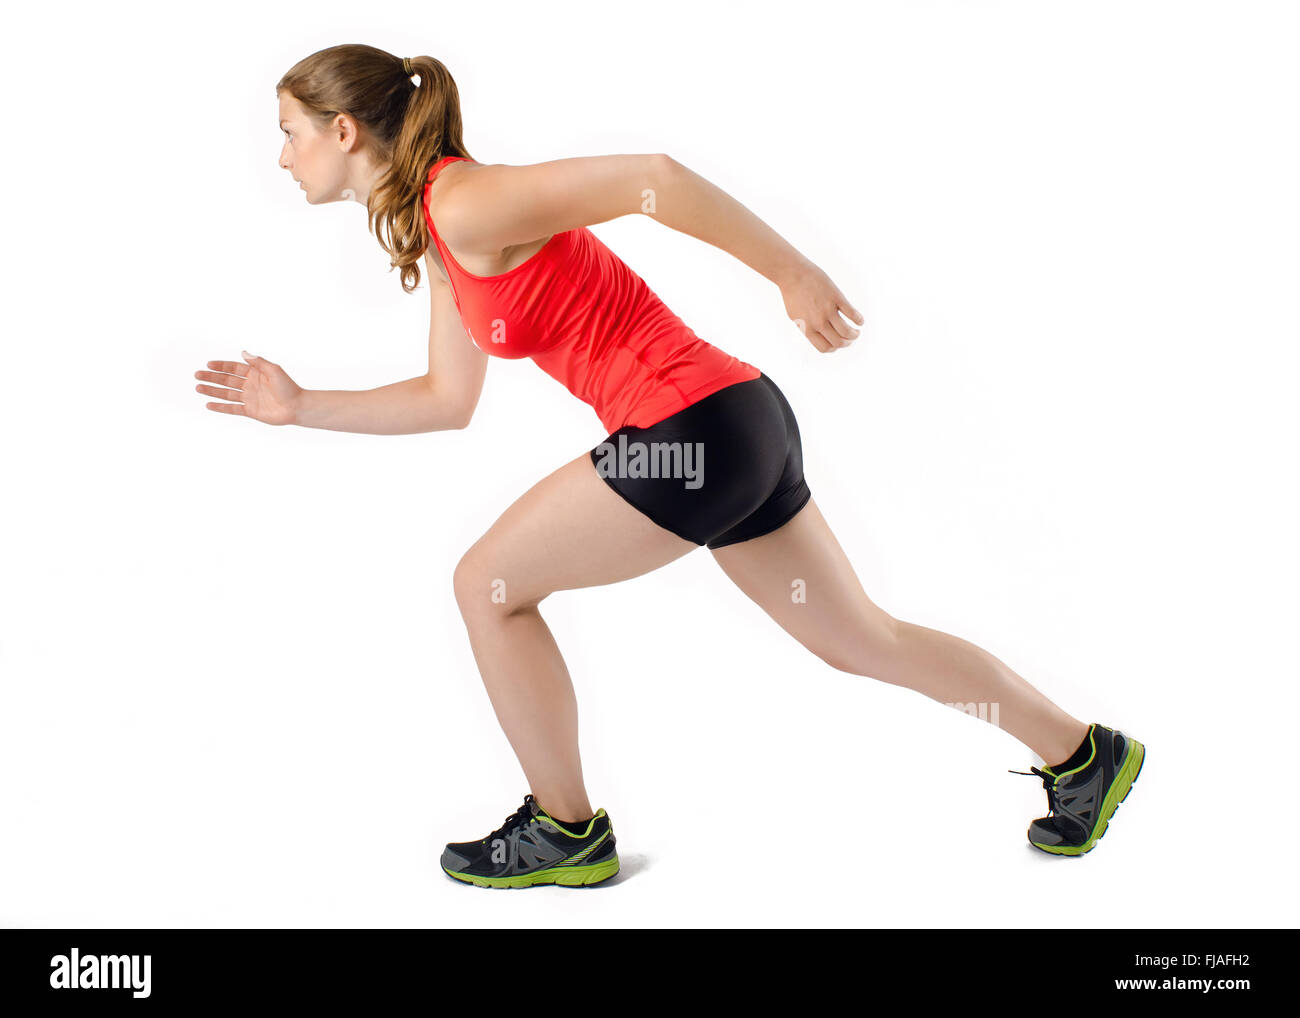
[314,158]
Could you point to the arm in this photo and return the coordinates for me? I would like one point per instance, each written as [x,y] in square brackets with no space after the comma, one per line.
[442,399]
[401,408]
[690,204]
[496,206]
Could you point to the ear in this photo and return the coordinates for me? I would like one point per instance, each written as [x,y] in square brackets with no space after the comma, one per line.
[347,131]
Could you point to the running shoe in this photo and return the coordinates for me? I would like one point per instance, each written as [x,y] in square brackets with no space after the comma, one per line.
[533,848]
[1083,800]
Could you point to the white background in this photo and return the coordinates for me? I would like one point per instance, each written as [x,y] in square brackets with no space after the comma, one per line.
[235,689]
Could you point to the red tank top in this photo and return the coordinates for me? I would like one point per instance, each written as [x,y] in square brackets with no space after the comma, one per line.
[592,324]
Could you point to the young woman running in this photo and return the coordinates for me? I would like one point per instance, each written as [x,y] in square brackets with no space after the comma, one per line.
[702,448]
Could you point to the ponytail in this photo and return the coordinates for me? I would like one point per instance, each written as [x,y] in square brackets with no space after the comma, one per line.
[409,126]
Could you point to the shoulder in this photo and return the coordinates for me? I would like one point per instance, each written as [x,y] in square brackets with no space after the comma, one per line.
[445,202]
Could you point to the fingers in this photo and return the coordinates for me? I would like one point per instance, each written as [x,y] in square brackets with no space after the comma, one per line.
[231,376]
[225,378]
[839,310]
[824,337]
[229,368]
[848,309]
[832,332]
[838,331]
[227,408]
[813,336]
[832,339]
[847,331]
[235,395]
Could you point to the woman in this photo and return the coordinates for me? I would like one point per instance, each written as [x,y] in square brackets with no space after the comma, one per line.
[702,448]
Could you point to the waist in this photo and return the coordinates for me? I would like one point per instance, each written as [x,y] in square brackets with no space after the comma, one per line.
[643,385]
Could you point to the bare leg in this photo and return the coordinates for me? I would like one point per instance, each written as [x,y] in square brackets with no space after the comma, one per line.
[569,530]
[841,625]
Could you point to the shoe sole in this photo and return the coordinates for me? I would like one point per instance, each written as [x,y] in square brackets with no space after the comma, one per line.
[1124,781]
[563,876]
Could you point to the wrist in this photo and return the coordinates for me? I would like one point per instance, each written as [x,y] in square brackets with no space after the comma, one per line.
[792,270]
[301,407]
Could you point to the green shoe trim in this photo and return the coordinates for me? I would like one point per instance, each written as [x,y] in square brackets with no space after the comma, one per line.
[559,824]
[565,876]
[1119,790]
[1092,741]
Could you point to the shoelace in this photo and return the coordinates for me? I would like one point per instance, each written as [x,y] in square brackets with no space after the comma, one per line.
[1049,783]
[518,818]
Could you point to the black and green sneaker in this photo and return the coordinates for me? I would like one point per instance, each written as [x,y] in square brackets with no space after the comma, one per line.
[533,848]
[1083,799]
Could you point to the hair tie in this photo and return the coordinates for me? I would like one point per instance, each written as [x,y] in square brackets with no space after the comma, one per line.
[406,66]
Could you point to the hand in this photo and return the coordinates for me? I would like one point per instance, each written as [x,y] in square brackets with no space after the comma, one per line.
[815,304]
[259,389]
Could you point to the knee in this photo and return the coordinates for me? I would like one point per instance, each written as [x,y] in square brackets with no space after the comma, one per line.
[892,628]
[483,590]
[473,584]
[871,650]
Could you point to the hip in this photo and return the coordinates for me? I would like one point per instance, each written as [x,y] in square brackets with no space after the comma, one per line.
[724,468]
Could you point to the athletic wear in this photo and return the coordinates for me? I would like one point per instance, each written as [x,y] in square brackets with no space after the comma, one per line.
[574,826]
[1082,800]
[1079,757]
[726,469]
[591,323]
[532,848]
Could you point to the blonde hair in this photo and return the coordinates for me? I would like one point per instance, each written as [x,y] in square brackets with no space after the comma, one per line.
[409,127]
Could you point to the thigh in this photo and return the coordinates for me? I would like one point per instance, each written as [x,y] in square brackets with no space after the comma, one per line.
[801,577]
[567,531]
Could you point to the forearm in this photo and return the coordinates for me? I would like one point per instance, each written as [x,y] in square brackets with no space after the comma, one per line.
[403,408]
[692,205]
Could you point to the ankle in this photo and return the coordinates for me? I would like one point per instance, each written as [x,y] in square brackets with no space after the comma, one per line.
[1071,751]
[567,810]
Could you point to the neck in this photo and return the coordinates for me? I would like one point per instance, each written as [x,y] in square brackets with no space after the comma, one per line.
[361,182]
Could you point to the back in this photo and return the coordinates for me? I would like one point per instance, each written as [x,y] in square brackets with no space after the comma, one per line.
[590,322]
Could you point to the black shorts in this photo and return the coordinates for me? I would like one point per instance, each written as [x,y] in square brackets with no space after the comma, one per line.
[726,469]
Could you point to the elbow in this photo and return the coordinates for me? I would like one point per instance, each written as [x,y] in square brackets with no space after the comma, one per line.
[460,414]
[446,414]
[463,412]
[662,168]
[657,174]
[452,418]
